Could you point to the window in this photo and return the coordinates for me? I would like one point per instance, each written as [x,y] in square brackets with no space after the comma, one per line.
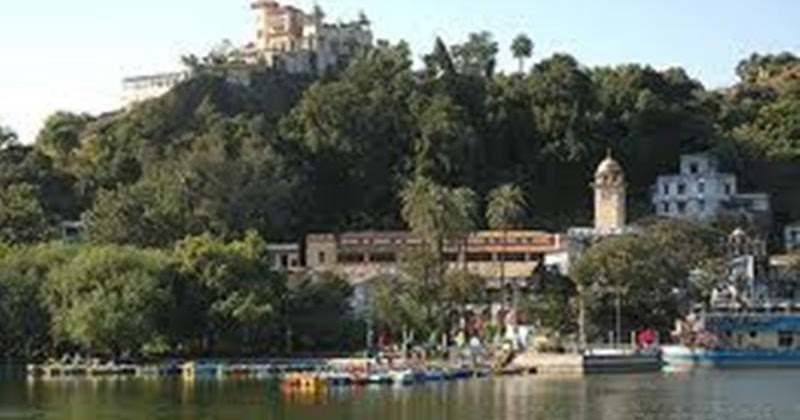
[701,187]
[753,334]
[701,205]
[383,257]
[785,339]
[284,261]
[665,207]
[681,188]
[512,256]
[666,189]
[479,256]
[321,257]
[693,168]
[351,258]
[681,207]
[728,189]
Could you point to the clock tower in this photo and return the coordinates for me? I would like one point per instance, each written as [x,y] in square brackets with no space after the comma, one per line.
[609,196]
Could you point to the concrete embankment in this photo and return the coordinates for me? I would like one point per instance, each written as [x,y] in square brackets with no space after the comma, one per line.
[579,364]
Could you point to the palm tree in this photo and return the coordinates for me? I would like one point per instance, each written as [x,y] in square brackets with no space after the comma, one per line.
[463,204]
[505,210]
[436,214]
[522,48]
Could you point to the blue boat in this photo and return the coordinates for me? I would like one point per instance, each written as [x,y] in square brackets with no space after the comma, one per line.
[433,375]
[751,320]
[680,357]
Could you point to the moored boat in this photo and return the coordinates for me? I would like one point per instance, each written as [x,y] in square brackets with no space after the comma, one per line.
[752,318]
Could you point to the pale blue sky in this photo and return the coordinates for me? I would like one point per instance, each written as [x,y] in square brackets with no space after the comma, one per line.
[72,54]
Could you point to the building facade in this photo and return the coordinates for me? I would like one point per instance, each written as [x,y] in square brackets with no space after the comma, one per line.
[700,191]
[302,42]
[360,256]
[285,257]
[141,88]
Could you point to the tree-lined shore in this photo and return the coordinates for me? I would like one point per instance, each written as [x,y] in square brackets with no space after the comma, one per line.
[202,297]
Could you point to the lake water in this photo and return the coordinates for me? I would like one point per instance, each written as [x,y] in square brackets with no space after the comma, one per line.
[726,395]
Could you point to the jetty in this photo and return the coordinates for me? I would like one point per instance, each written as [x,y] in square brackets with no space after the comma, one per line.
[591,361]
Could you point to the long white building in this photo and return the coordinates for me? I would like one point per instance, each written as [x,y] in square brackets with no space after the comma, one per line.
[700,191]
[141,88]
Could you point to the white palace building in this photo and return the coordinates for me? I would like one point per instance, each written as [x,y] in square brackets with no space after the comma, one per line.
[297,41]
[700,191]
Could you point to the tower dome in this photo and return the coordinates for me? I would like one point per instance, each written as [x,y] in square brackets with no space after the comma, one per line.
[608,166]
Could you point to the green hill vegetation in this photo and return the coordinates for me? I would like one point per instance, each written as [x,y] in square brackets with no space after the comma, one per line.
[286,155]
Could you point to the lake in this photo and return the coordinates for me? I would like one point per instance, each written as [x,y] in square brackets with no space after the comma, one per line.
[728,395]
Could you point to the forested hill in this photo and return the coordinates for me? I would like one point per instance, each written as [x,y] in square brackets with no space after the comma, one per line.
[286,155]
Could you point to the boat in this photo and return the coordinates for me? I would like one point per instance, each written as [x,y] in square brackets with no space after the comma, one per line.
[752,319]
[337,379]
[403,377]
[379,378]
[433,375]
[747,337]
[622,360]
[302,382]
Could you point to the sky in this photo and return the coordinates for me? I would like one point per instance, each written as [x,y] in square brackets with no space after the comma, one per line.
[72,54]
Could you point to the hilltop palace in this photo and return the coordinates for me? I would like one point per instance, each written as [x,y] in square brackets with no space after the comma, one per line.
[285,37]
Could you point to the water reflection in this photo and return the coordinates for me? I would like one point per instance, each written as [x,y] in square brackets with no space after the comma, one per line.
[727,395]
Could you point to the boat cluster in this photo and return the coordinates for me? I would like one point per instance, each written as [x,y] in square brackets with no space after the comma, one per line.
[293,375]
[187,370]
[314,381]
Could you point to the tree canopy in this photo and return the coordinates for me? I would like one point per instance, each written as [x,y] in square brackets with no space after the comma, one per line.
[285,154]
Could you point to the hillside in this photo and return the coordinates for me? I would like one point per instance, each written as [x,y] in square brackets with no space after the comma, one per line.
[286,155]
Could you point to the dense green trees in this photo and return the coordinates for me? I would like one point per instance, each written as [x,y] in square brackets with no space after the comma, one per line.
[25,321]
[649,272]
[319,315]
[205,296]
[230,291]
[22,218]
[106,300]
[61,135]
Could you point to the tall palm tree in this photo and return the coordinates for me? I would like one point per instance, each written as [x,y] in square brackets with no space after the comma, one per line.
[437,214]
[522,49]
[505,210]
[463,203]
